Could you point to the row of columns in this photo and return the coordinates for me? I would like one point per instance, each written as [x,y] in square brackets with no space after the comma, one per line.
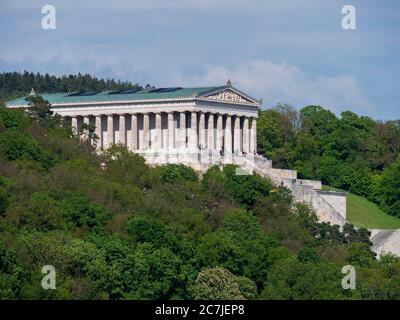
[234,137]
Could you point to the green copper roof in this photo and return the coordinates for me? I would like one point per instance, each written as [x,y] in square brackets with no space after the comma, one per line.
[104,96]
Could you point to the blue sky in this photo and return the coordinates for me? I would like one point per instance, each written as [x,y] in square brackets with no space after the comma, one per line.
[279,50]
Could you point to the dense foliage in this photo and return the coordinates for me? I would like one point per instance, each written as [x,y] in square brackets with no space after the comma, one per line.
[124,230]
[16,84]
[350,152]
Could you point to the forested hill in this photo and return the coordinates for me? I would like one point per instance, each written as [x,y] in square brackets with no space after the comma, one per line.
[350,152]
[15,84]
[124,230]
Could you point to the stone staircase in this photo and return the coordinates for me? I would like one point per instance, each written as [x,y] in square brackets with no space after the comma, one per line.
[330,206]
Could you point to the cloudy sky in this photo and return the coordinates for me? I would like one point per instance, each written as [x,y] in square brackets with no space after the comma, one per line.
[282,51]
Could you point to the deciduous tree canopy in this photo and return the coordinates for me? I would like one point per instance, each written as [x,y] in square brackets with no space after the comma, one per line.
[129,231]
[350,152]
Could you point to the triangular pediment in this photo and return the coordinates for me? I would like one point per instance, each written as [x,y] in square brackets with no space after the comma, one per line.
[229,95]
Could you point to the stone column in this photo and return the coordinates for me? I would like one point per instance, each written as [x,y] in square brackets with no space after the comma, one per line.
[236,135]
[158,133]
[246,135]
[146,132]
[134,132]
[122,129]
[219,132]
[202,130]
[228,134]
[98,131]
[170,131]
[182,130]
[86,130]
[253,136]
[210,132]
[193,131]
[74,123]
[110,130]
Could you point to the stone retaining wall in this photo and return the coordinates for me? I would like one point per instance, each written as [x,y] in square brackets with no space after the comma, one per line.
[385,241]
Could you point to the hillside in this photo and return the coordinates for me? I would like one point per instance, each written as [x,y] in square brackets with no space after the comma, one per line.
[365,214]
[114,228]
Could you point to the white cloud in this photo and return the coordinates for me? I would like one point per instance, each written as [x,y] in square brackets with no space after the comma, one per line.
[273,82]
[282,82]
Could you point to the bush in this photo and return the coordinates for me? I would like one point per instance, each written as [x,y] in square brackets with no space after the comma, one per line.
[292,279]
[143,228]
[308,254]
[242,224]
[16,145]
[244,189]
[43,212]
[78,211]
[13,118]
[157,273]
[172,173]
[360,254]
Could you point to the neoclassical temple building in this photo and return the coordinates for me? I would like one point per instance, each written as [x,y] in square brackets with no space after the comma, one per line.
[198,127]
[194,126]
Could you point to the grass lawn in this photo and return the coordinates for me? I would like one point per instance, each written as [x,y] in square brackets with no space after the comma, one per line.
[363,213]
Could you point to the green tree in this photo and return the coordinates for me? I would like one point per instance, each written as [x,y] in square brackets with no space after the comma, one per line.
[360,254]
[17,145]
[247,288]
[216,284]
[39,108]
[78,211]
[13,118]
[143,228]
[245,189]
[239,245]
[295,280]
[171,173]
[43,212]
[389,189]
[308,254]
[157,273]
[12,275]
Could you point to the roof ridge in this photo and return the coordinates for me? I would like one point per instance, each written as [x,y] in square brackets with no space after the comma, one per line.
[70,97]
[143,89]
